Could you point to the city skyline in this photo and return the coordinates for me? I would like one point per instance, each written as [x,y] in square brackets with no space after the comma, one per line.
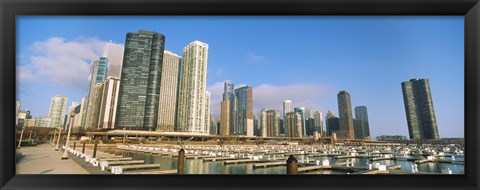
[320,90]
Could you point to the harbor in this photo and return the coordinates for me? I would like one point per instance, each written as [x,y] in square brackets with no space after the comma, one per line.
[160,159]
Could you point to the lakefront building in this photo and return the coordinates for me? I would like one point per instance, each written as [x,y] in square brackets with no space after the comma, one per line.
[345,114]
[287,107]
[193,89]
[98,74]
[301,111]
[56,113]
[244,110]
[108,103]
[362,115]
[138,97]
[421,120]
[167,107]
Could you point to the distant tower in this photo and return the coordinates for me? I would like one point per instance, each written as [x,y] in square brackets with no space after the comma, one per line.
[318,120]
[421,120]
[362,115]
[56,113]
[294,125]
[108,103]
[193,89]
[229,95]
[345,113]
[244,110]
[301,111]
[287,107]
[263,123]
[170,76]
[273,118]
[138,97]
[98,73]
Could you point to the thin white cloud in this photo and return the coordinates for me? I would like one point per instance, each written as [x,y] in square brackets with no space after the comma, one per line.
[255,58]
[269,96]
[219,72]
[60,62]
[302,95]
[216,98]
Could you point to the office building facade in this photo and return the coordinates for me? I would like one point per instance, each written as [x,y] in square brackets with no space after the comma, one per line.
[167,107]
[287,107]
[345,114]
[273,122]
[244,111]
[301,111]
[318,119]
[361,114]
[56,113]
[98,73]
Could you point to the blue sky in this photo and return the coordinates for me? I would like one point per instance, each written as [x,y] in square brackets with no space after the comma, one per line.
[305,59]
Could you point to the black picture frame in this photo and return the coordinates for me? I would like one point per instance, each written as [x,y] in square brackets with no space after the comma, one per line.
[9,9]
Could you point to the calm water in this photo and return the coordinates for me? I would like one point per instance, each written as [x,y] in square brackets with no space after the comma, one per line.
[198,166]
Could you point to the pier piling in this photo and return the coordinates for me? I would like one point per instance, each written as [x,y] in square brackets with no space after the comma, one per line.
[83,148]
[94,150]
[181,161]
[292,165]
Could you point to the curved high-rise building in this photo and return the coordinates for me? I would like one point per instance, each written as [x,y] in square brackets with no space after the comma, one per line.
[421,120]
[138,98]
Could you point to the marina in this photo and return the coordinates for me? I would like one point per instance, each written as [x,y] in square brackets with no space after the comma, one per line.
[272,159]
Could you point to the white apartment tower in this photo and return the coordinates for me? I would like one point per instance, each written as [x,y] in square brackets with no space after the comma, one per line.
[193,89]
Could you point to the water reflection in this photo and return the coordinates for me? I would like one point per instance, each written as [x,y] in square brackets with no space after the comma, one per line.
[198,166]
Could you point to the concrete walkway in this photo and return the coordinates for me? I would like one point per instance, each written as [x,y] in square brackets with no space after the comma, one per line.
[43,159]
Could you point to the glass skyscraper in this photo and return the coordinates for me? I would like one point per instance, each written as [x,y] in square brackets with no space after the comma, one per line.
[362,115]
[139,91]
[244,113]
[301,111]
[98,73]
[229,110]
[421,120]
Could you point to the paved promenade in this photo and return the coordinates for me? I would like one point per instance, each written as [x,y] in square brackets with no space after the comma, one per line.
[43,159]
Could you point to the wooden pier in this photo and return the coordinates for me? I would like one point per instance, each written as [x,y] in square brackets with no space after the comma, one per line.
[213,159]
[115,159]
[243,161]
[137,167]
[157,172]
[269,164]
[116,163]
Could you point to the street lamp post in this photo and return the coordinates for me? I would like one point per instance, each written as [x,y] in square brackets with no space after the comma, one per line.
[20,141]
[65,154]
[53,138]
[58,139]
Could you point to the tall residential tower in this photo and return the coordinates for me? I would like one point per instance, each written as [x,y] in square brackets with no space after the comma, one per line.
[140,81]
[421,120]
[193,89]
